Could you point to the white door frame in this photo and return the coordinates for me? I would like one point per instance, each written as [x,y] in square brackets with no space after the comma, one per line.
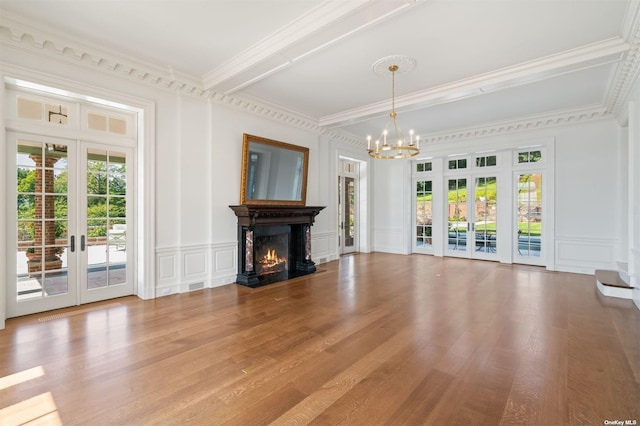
[12,77]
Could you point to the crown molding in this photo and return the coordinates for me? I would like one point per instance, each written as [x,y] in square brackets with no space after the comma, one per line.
[625,76]
[18,35]
[533,122]
[16,32]
[604,52]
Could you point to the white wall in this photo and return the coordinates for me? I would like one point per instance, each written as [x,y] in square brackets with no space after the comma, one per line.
[586,191]
[633,195]
[197,147]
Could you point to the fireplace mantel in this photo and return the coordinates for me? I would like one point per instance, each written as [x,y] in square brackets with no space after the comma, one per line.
[256,220]
[253,215]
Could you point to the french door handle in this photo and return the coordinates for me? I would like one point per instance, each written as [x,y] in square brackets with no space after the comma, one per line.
[73,243]
[82,243]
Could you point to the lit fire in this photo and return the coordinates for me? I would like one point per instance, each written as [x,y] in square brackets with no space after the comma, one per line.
[271,263]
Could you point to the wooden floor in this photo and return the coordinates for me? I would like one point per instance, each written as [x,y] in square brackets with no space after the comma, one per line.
[369,340]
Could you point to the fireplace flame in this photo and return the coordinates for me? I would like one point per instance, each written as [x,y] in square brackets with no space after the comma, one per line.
[271,262]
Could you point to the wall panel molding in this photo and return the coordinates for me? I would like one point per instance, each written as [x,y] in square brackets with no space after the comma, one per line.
[584,255]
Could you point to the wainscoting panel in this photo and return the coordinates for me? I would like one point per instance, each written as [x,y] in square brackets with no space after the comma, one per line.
[195,268]
[584,255]
[323,246]
[166,267]
[168,273]
[224,268]
[188,268]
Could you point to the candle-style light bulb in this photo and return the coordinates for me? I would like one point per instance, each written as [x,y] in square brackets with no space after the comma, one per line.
[418,142]
[411,134]
[369,142]
[384,133]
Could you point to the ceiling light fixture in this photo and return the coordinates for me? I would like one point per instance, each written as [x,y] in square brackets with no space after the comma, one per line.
[391,146]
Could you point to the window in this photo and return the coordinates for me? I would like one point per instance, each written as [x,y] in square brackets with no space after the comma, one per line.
[106,123]
[486,161]
[424,167]
[33,109]
[529,156]
[458,164]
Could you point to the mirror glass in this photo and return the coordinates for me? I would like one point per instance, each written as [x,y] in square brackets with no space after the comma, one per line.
[273,172]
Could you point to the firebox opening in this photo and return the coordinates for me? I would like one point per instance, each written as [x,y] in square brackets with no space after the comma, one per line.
[272,258]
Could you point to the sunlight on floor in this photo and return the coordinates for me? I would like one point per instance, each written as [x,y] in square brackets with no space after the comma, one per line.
[21,377]
[41,409]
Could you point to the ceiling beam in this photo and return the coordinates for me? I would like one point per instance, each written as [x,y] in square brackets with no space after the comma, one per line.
[318,29]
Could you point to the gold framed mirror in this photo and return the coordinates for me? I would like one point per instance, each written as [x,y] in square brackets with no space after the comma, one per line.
[273,172]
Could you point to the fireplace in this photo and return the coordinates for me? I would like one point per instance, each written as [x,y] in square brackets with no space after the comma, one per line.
[274,243]
[271,251]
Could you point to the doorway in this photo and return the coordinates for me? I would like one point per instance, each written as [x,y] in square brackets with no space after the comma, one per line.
[71,240]
[347,206]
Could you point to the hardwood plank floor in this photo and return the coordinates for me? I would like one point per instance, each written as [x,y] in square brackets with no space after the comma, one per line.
[371,339]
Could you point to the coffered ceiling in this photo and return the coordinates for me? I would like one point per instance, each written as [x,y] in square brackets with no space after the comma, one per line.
[481,64]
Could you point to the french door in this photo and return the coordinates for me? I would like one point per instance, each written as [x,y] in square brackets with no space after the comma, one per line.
[528,236]
[472,212]
[71,240]
[346,214]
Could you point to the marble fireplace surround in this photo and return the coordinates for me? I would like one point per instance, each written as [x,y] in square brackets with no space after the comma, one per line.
[257,220]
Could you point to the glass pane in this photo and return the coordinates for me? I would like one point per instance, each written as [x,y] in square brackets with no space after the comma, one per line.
[28,284]
[97,277]
[453,164]
[420,167]
[529,215]
[29,109]
[96,228]
[96,183]
[117,207]
[97,207]
[97,161]
[118,274]
[492,160]
[117,235]
[457,216]
[26,231]
[117,183]
[57,114]
[117,125]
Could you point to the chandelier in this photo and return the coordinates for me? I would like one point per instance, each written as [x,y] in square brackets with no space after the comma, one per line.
[390,146]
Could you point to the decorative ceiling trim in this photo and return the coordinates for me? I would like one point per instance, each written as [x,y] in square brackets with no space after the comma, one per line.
[595,54]
[314,20]
[321,27]
[18,36]
[625,76]
[534,122]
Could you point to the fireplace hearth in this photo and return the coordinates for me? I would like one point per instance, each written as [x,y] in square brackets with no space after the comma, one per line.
[274,243]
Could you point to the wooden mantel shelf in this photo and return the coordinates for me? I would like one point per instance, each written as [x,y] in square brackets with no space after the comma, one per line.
[254,215]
